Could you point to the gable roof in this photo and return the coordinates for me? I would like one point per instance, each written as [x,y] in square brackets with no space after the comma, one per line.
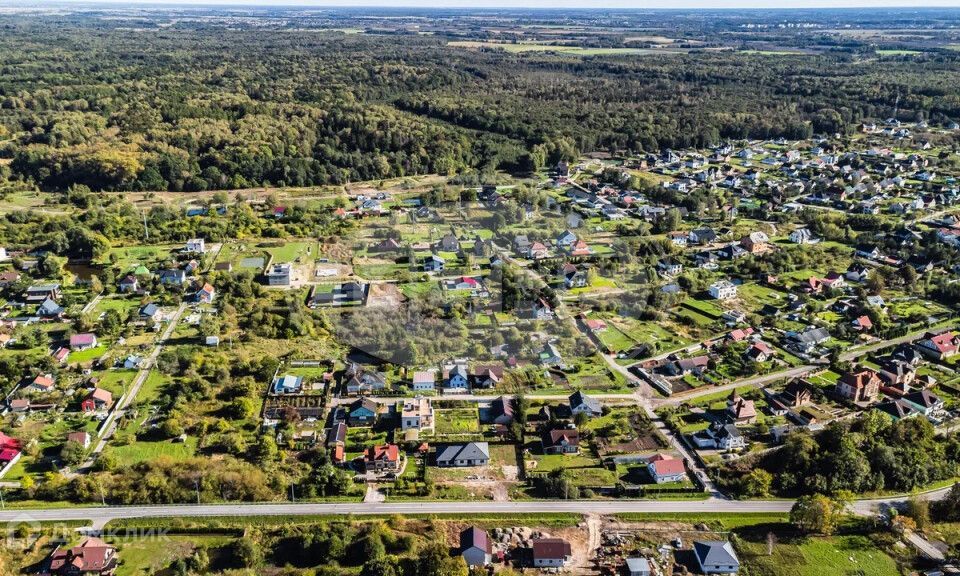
[666,465]
[715,553]
[473,537]
[551,548]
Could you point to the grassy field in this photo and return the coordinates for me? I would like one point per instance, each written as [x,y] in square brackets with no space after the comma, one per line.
[150,555]
[457,421]
[815,556]
[141,451]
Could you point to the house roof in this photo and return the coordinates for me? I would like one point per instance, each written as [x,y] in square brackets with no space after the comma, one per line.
[551,548]
[92,555]
[666,465]
[473,537]
[568,436]
[924,398]
[101,395]
[387,453]
[715,553]
[578,398]
[84,339]
[468,451]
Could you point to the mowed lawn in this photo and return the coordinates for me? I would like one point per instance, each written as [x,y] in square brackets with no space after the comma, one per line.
[141,451]
[817,556]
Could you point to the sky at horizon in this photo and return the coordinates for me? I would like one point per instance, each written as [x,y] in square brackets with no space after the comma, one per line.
[534,4]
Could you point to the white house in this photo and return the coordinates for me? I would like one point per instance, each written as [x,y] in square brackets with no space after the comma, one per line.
[195,245]
[723,290]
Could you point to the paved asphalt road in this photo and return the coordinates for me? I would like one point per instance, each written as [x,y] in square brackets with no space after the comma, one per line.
[101,515]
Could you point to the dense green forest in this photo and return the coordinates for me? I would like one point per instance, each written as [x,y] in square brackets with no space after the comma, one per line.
[203,109]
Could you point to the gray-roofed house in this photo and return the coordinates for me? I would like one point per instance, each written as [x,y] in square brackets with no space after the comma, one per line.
[716,557]
[580,402]
[459,455]
[808,339]
[475,546]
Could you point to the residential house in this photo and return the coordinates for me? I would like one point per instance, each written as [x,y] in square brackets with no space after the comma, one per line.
[416,414]
[279,274]
[551,552]
[669,267]
[98,399]
[50,309]
[475,546]
[719,437]
[434,263]
[664,468]
[565,240]
[129,284]
[360,381]
[560,441]
[723,290]
[487,375]
[41,383]
[760,351]
[581,403]
[456,377]
[463,455]
[862,324]
[83,341]
[702,236]
[287,384]
[81,438]
[501,411]
[898,409]
[150,311]
[195,246]
[716,557]
[739,410]
[449,243]
[172,277]
[925,402]
[859,386]
[939,346]
[382,458]
[424,381]
[807,340]
[755,242]
[206,294]
[549,355]
[679,238]
[362,412]
[802,236]
[573,276]
[40,292]
[92,557]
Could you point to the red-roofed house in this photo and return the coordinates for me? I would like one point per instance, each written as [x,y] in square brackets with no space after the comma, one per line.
[9,453]
[98,399]
[83,341]
[61,354]
[740,334]
[385,458]
[42,383]
[92,557]
[81,438]
[760,351]
[939,346]
[551,552]
[665,468]
[860,386]
[206,294]
[595,325]
[863,323]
